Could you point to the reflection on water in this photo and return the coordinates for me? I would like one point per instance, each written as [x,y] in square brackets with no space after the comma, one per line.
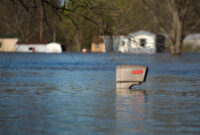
[130,108]
[48,94]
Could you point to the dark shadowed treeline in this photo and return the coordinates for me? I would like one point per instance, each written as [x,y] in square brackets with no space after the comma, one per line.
[74,23]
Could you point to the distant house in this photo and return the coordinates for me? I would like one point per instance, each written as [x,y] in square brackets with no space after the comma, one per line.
[8,44]
[98,44]
[41,47]
[138,42]
[192,40]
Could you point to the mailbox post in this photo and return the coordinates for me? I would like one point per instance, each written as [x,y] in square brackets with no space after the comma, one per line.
[129,75]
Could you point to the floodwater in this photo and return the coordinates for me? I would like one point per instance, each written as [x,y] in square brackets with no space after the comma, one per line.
[74,94]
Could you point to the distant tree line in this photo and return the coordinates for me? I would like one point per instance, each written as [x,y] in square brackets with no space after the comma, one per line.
[73,23]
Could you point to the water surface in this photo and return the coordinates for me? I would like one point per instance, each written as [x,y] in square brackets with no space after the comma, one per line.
[61,94]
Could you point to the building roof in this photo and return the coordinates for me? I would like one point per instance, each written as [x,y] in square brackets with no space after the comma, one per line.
[142,32]
[98,40]
[32,43]
[11,37]
[193,36]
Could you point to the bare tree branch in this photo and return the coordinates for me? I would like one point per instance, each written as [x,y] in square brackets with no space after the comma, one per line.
[162,26]
[193,27]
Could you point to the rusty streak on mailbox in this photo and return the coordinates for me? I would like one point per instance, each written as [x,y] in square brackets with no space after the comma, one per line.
[129,75]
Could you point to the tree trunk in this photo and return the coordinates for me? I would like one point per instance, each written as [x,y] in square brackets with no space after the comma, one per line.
[54,31]
[41,23]
[110,45]
[172,49]
[77,41]
[177,34]
[69,46]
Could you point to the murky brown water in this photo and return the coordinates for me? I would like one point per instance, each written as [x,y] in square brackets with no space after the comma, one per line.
[75,94]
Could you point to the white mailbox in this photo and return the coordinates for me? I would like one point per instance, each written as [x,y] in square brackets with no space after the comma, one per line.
[129,75]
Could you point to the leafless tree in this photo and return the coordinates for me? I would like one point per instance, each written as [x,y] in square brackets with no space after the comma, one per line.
[75,10]
[174,26]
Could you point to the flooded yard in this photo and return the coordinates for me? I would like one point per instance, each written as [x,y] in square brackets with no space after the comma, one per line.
[75,94]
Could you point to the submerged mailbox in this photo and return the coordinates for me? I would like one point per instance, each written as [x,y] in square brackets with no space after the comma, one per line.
[129,75]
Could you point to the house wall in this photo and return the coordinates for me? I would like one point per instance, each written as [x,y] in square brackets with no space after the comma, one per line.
[123,44]
[130,43]
[192,39]
[54,48]
[150,46]
[100,49]
[150,41]
[192,42]
[8,44]
[40,48]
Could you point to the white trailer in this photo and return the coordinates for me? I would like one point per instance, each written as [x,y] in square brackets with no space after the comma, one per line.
[39,48]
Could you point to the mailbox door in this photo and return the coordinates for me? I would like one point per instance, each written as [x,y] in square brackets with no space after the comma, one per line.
[131,73]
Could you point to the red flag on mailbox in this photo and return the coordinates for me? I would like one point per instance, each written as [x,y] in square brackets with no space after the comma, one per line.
[137,72]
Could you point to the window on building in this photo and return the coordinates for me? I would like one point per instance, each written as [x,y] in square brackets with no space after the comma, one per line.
[143,42]
[97,46]
[31,49]
[129,40]
[123,43]
[0,44]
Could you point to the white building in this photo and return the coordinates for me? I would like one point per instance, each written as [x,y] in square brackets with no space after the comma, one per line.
[123,44]
[192,40]
[138,42]
[39,47]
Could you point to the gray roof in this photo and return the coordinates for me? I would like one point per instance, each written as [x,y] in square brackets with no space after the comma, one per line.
[194,36]
[142,32]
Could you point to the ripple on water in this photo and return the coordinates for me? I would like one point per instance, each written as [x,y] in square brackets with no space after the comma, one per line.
[75,94]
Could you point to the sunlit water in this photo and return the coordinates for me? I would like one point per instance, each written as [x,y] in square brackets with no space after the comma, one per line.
[74,94]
